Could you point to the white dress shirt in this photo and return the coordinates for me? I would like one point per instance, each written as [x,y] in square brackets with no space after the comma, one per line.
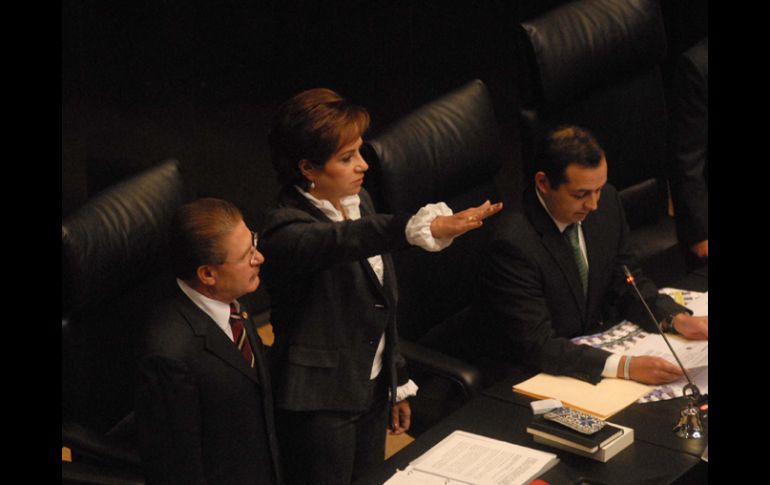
[217,310]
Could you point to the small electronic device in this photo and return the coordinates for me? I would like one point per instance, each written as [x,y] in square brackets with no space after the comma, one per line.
[577,420]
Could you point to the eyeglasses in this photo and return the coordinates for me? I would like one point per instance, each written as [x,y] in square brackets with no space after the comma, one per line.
[252,252]
[254,239]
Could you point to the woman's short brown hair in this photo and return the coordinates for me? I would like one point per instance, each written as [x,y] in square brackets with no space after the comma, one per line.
[313,126]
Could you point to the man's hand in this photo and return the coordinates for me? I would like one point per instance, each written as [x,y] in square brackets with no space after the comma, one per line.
[452,226]
[402,417]
[701,249]
[650,370]
[690,327]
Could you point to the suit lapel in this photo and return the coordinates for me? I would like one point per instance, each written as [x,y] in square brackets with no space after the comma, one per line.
[262,370]
[373,276]
[216,341]
[387,264]
[290,197]
[256,348]
[595,252]
[556,245]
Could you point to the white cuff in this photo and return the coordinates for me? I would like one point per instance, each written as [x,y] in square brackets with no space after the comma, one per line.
[418,228]
[611,366]
[407,390]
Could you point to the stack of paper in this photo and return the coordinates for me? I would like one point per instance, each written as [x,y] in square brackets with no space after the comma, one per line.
[467,458]
[612,395]
[694,355]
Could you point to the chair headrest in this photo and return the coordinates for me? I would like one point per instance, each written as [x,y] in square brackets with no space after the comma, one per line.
[119,237]
[587,43]
[438,151]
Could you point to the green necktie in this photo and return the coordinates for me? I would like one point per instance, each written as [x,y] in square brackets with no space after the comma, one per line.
[572,236]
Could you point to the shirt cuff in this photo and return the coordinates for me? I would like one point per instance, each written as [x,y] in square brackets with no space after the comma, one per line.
[611,366]
[407,390]
[418,228]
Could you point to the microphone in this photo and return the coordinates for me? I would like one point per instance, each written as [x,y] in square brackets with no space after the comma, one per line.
[689,425]
[630,280]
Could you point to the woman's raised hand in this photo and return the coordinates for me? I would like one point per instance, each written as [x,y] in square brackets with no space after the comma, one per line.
[464,221]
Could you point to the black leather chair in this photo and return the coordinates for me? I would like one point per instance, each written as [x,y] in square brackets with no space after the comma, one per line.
[447,150]
[595,63]
[113,267]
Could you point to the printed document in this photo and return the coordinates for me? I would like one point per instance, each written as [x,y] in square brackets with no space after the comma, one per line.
[467,458]
[611,395]
[694,354]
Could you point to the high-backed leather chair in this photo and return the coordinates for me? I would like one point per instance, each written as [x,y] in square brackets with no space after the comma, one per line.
[114,253]
[447,150]
[595,63]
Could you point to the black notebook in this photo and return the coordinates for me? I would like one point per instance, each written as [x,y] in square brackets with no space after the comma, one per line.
[591,442]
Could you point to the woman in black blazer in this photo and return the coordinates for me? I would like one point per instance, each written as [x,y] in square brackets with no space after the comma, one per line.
[339,373]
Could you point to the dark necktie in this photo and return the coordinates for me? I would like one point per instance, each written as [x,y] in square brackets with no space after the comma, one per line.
[572,236]
[239,334]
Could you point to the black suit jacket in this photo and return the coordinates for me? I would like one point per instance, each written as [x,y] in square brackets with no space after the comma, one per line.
[688,155]
[531,298]
[328,308]
[204,415]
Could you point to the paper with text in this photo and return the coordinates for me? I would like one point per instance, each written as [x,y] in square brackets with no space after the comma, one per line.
[694,354]
[467,458]
[611,395]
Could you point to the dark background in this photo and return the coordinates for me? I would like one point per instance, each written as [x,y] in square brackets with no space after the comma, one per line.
[198,81]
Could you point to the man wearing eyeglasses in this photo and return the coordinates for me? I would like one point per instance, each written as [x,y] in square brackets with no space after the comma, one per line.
[203,400]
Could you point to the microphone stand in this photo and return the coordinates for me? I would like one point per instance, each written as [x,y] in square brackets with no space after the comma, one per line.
[689,424]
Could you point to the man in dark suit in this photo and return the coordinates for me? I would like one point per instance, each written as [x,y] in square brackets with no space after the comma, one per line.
[203,396]
[536,294]
[688,149]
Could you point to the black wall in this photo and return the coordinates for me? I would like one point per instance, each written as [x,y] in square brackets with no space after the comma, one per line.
[199,80]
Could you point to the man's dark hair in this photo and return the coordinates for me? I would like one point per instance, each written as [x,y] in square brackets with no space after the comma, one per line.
[562,146]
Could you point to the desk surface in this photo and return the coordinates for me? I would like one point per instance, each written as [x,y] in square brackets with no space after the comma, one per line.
[641,462]
[652,422]
[656,456]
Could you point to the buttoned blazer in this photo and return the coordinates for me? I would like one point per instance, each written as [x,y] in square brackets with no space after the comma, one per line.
[204,415]
[328,308]
[532,300]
